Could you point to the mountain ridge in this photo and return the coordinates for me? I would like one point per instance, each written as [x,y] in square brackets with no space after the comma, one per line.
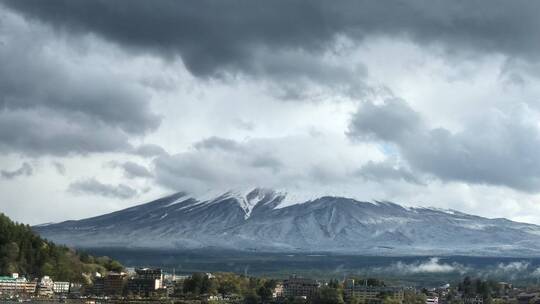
[258,220]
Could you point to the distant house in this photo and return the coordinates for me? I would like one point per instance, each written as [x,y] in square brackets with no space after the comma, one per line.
[528,298]
[278,291]
[473,300]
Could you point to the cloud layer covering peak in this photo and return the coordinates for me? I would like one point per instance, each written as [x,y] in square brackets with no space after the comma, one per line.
[104,104]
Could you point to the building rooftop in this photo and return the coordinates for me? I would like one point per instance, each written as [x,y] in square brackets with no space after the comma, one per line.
[11,279]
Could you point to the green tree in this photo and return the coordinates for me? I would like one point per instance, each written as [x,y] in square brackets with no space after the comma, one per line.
[391,300]
[334,284]
[411,297]
[208,286]
[252,298]
[329,295]
[193,284]
[22,251]
[355,300]
[226,287]
[266,290]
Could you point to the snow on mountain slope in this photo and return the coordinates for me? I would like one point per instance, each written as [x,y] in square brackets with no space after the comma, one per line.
[257,220]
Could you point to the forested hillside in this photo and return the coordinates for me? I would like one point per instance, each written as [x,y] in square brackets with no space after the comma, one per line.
[23,251]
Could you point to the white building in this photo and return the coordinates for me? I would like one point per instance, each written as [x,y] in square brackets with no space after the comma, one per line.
[61,287]
[432,300]
[16,285]
[45,286]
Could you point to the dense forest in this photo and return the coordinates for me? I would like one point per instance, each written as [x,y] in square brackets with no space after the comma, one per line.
[24,252]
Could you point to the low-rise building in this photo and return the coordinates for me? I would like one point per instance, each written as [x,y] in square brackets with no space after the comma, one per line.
[98,286]
[76,290]
[371,294]
[45,287]
[61,287]
[147,281]
[113,283]
[528,298]
[300,287]
[150,274]
[278,291]
[504,289]
[142,287]
[473,300]
[11,285]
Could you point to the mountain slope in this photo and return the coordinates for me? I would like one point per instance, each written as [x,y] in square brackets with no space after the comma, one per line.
[256,221]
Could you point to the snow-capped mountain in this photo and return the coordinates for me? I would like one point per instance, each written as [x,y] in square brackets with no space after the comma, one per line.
[258,220]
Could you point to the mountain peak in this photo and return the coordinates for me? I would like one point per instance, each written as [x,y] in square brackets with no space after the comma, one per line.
[260,219]
[257,197]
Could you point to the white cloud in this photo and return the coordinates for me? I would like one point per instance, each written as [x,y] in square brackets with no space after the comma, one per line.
[512,267]
[433,265]
[298,144]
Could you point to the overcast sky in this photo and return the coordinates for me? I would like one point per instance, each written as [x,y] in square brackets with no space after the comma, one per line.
[106,104]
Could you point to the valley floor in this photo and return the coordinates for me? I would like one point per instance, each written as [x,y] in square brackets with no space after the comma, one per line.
[409,270]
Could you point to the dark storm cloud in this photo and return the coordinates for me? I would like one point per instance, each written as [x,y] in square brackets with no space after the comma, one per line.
[215,36]
[215,142]
[251,157]
[498,149]
[149,150]
[60,168]
[215,162]
[25,83]
[381,171]
[390,122]
[44,132]
[53,102]
[133,170]
[272,162]
[25,170]
[267,161]
[94,187]
[190,170]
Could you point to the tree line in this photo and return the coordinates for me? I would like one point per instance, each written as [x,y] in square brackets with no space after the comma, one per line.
[23,251]
[256,290]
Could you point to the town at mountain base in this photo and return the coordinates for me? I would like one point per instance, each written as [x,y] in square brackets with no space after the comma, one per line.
[39,267]
[268,220]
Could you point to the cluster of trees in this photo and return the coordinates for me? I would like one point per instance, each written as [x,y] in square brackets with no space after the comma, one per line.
[471,288]
[253,290]
[333,293]
[478,288]
[22,251]
[259,290]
